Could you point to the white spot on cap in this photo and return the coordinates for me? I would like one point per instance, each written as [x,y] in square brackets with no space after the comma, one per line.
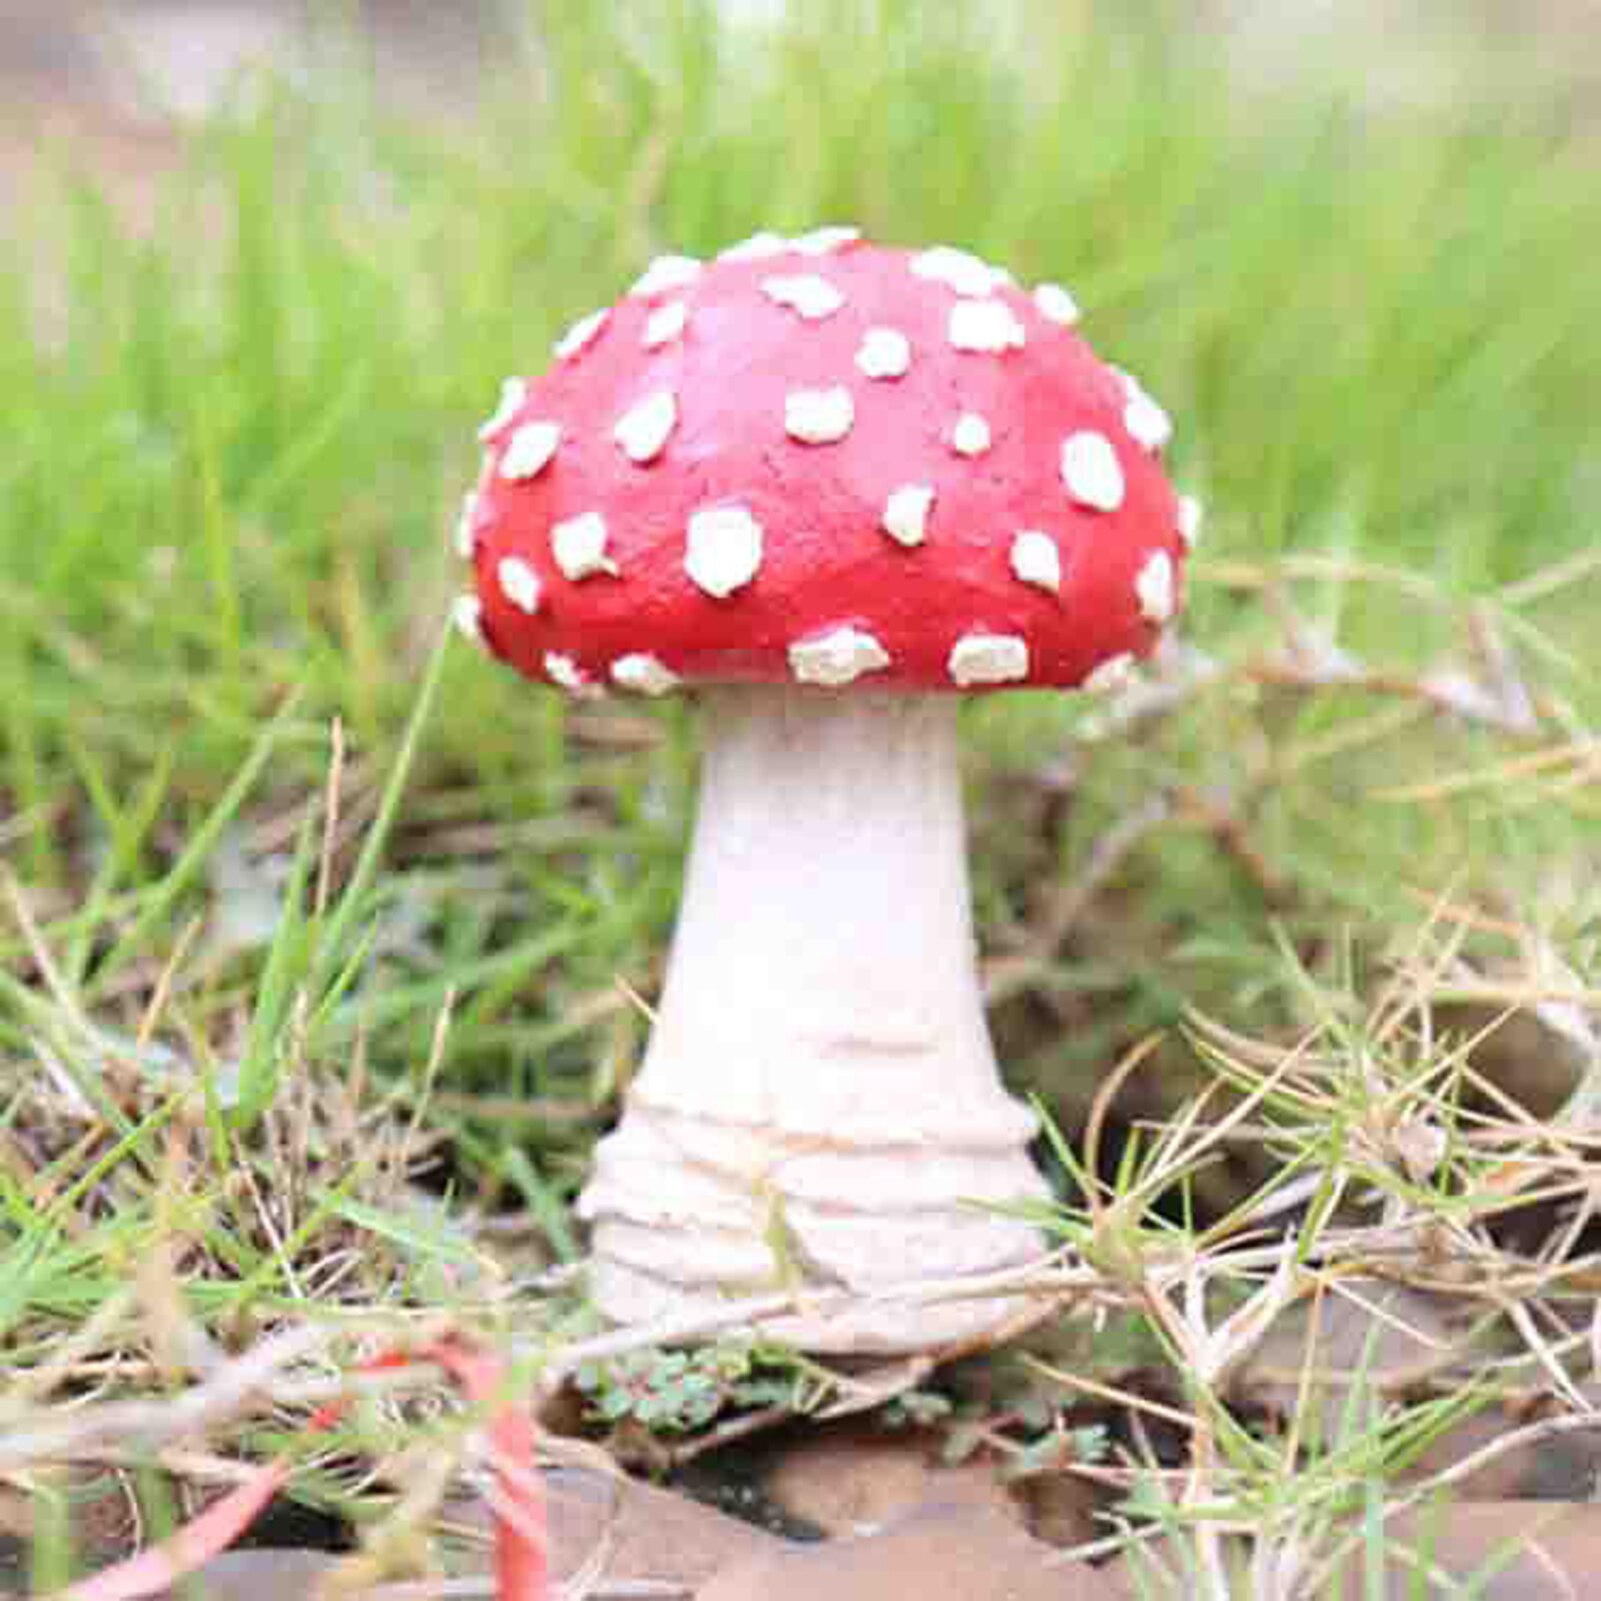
[644,674]
[988,659]
[513,392]
[906,511]
[579,546]
[1148,425]
[759,247]
[581,333]
[818,416]
[806,294]
[468,615]
[1191,515]
[960,270]
[724,549]
[1113,673]
[1036,560]
[665,324]
[987,326]
[838,657]
[465,536]
[884,353]
[564,672]
[1091,471]
[970,435]
[824,241]
[667,272]
[1154,586]
[643,430]
[519,583]
[1056,305]
[529,451]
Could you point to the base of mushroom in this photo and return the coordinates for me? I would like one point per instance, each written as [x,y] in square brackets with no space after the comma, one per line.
[631,1297]
[688,1215]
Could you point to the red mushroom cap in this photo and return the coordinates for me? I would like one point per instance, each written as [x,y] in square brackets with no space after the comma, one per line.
[819,461]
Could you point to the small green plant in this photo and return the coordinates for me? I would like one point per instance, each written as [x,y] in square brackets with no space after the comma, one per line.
[679,1392]
[915,1409]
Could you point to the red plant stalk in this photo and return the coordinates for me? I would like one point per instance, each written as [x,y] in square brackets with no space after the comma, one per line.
[518,1507]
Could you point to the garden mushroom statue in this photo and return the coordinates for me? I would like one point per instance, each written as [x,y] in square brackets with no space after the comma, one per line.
[831,488]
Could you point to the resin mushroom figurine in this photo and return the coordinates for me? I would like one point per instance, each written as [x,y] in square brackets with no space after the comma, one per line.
[831,488]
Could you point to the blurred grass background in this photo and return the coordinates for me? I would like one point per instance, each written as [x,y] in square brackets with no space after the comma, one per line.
[237,406]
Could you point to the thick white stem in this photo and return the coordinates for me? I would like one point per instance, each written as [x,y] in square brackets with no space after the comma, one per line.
[819,1104]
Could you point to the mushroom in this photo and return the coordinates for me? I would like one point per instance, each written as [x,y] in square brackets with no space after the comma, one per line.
[831,487]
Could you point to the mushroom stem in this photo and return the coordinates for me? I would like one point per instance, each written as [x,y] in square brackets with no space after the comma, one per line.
[819,1104]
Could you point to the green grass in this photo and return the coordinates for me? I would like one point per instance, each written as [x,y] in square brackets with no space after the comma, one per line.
[233,449]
